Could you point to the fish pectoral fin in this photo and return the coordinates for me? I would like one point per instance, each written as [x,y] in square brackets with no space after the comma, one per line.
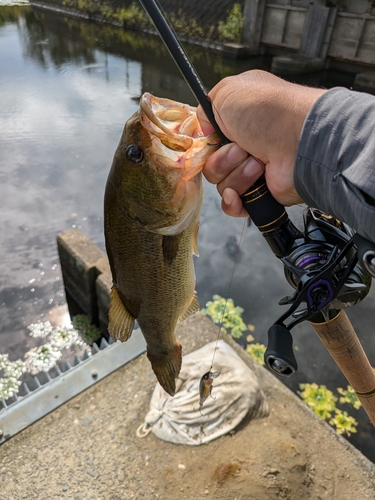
[195,240]
[194,307]
[170,248]
[121,322]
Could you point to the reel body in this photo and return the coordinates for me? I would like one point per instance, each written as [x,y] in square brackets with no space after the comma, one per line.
[322,266]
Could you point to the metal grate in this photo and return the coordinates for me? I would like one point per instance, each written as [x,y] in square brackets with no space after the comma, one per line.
[54,388]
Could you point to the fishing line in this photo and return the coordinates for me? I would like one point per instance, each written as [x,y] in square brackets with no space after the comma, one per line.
[228,292]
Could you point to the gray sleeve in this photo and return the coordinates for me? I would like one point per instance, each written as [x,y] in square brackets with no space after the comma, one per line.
[335,163]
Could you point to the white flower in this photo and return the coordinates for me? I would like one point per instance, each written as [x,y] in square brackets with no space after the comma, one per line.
[40,330]
[8,387]
[14,369]
[64,336]
[3,361]
[42,358]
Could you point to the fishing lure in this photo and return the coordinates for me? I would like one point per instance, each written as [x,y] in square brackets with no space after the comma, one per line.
[205,387]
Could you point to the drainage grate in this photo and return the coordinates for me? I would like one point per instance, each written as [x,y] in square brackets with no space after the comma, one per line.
[54,388]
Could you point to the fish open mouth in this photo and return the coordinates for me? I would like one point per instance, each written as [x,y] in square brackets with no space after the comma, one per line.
[175,133]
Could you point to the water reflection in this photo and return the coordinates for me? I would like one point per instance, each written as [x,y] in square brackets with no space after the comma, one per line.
[66,89]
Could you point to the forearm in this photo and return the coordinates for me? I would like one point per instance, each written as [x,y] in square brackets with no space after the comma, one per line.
[335,162]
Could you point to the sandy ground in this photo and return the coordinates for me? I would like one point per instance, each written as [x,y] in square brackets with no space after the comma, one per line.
[88,448]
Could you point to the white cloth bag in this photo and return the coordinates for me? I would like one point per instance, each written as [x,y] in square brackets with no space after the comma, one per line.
[235,394]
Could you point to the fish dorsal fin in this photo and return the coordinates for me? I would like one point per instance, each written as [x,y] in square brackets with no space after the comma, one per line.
[170,247]
[194,307]
[121,322]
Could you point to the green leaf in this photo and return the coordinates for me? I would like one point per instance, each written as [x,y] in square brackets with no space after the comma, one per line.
[344,423]
[223,312]
[320,399]
[256,351]
[349,396]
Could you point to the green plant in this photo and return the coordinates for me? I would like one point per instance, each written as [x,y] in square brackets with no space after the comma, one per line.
[133,16]
[323,402]
[256,351]
[320,399]
[88,332]
[344,423]
[186,26]
[230,30]
[349,396]
[223,312]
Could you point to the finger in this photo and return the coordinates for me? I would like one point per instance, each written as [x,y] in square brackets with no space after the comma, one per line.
[204,122]
[243,176]
[231,204]
[226,159]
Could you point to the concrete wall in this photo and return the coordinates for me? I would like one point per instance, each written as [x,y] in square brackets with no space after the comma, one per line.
[353,38]
[340,30]
[87,277]
[283,25]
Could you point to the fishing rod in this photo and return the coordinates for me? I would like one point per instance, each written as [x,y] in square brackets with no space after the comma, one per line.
[328,265]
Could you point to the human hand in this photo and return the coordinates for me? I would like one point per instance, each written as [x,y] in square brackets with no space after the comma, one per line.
[263,115]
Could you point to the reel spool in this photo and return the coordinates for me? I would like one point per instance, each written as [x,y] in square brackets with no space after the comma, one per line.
[322,235]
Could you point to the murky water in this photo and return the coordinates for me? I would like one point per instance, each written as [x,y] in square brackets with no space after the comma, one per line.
[66,89]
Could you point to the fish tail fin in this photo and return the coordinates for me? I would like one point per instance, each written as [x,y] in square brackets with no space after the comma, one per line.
[167,367]
[121,322]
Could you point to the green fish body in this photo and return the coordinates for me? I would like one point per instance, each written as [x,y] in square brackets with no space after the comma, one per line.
[152,208]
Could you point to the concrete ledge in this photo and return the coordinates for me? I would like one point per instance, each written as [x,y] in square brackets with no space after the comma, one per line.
[237,50]
[296,65]
[365,82]
[88,449]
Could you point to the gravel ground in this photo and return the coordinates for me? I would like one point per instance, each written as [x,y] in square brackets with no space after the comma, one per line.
[88,448]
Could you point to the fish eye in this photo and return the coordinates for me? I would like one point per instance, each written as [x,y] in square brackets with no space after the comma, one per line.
[134,153]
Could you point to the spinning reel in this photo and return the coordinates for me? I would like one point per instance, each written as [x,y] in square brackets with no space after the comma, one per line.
[321,264]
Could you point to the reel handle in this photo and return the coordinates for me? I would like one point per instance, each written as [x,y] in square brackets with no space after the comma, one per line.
[279,355]
[366,253]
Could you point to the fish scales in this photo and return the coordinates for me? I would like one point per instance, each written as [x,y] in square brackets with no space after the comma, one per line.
[152,207]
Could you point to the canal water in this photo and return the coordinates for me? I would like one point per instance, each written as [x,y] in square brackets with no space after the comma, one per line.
[67,87]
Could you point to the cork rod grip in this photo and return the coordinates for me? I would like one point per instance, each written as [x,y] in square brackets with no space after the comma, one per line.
[342,343]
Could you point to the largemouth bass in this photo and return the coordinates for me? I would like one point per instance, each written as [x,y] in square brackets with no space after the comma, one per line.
[152,207]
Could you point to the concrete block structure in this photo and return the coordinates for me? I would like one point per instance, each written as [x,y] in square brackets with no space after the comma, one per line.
[87,276]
